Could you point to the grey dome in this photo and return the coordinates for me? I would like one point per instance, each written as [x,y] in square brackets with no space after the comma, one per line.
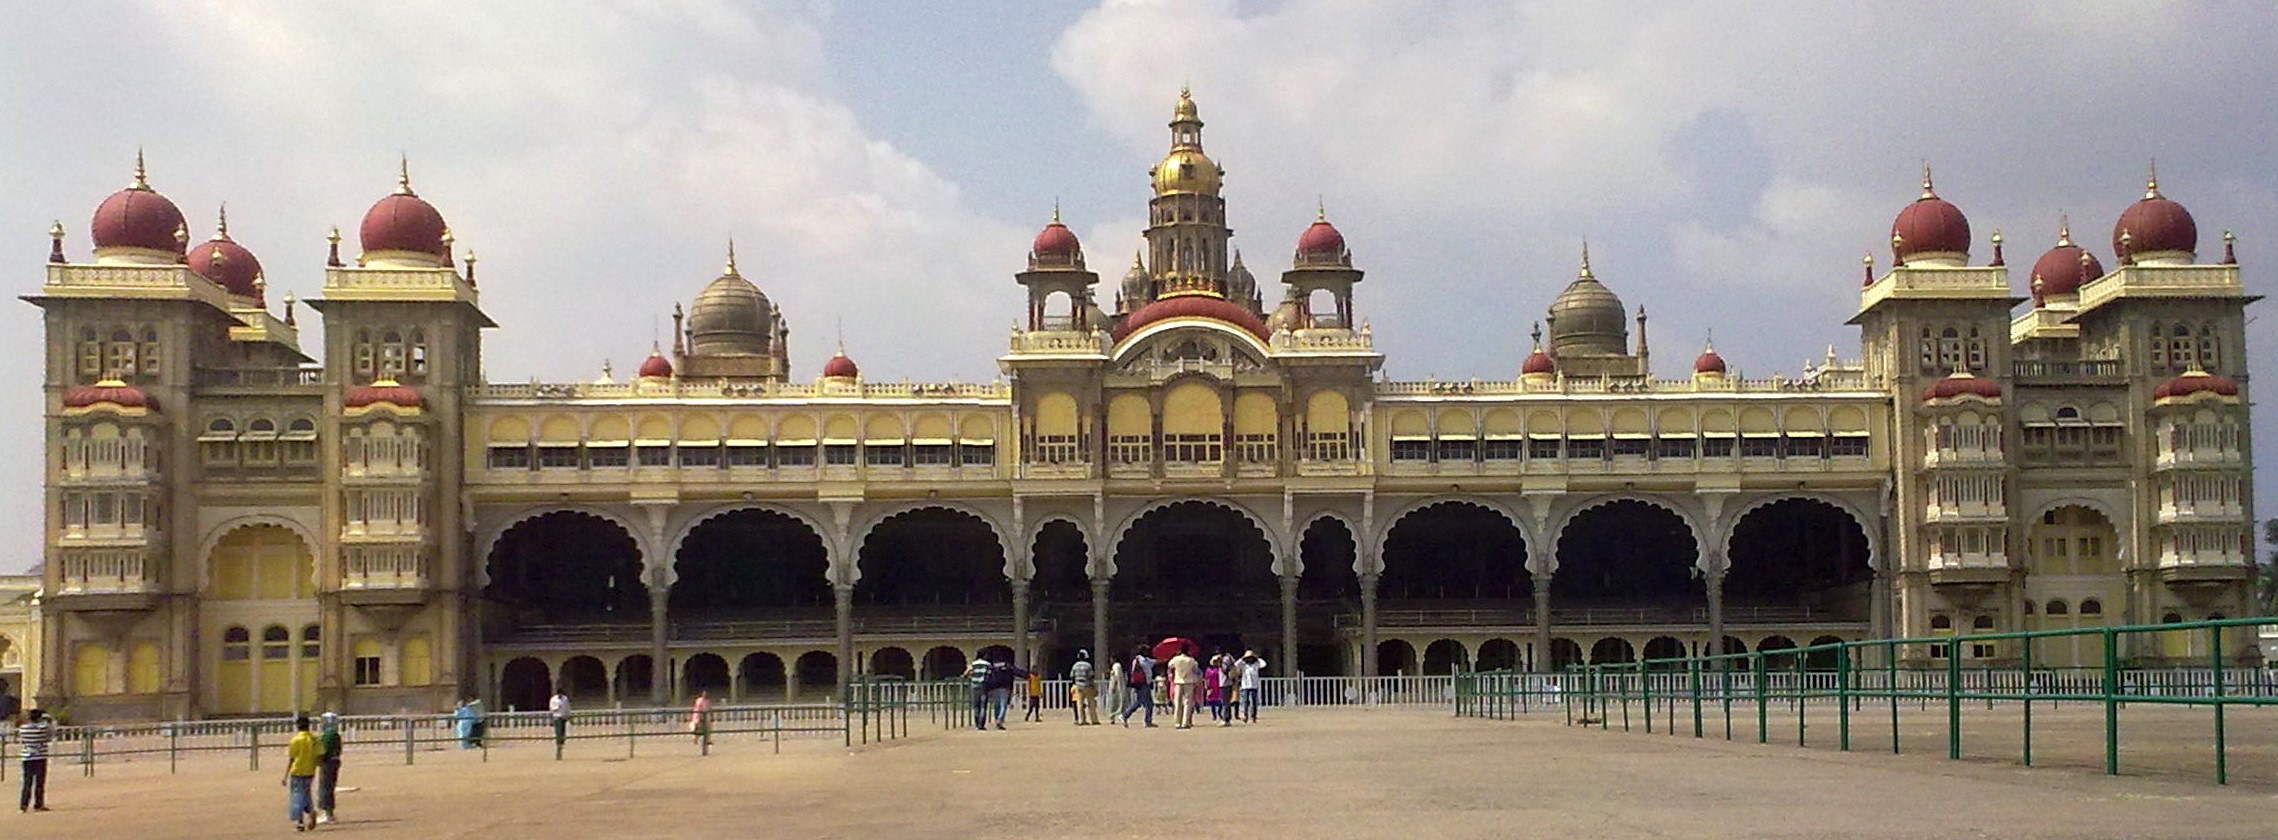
[729,316]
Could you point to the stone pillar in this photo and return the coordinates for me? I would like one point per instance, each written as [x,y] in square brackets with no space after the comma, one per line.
[842,598]
[1020,623]
[1101,656]
[1543,660]
[1288,663]
[1715,586]
[1878,606]
[1368,625]
[660,675]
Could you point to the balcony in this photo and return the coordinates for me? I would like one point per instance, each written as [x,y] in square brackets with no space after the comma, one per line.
[288,381]
[2082,372]
[103,579]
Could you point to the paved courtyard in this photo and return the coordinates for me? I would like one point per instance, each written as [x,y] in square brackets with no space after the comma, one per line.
[1311,773]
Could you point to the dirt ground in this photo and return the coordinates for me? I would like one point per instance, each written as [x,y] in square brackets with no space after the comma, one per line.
[1300,773]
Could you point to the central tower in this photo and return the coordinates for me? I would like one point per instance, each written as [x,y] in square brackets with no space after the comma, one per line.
[1186,231]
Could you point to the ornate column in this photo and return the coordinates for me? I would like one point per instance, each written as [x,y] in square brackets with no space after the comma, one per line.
[1100,655]
[842,599]
[1020,623]
[1715,585]
[660,686]
[1368,624]
[1288,663]
[1878,606]
[1544,662]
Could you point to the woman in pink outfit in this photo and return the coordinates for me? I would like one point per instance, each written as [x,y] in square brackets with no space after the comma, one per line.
[700,716]
[1214,687]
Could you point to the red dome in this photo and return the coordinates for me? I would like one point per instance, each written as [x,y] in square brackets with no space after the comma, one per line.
[2063,269]
[383,391]
[2196,382]
[1055,240]
[109,391]
[1931,225]
[137,217]
[1962,383]
[1193,306]
[1321,242]
[229,265]
[1538,362]
[1708,362]
[403,222]
[656,366]
[2154,224]
[840,367]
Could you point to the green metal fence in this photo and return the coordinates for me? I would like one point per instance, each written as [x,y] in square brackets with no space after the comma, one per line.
[1706,695]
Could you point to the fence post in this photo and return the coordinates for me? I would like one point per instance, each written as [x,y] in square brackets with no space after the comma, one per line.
[1802,694]
[1645,690]
[1763,709]
[1954,699]
[1693,684]
[87,753]
[173,746]
[2215,659]
[2026,672]
[1890,678]
[253,746]
[631,740]
[1843,697]
[2111,702]
[408,737]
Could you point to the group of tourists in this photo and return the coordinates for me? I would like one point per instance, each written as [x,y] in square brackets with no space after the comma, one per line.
[312,772]
[1228,686]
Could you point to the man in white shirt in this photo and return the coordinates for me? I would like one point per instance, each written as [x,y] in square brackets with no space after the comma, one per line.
[1186,688]
[1253,670]
[558,708]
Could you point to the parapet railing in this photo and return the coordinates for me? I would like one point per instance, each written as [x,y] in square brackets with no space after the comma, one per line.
[1851,676]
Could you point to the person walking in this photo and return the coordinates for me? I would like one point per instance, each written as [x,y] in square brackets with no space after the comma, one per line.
[302,755]
[1118,689]
[1139,676]
[977,675]
[700,717]
[1253,671]
[1214,687]
[1083,695]
[327,767]
[33,736]
[558,708]
[1186,688]
[1035,688]
[999,685]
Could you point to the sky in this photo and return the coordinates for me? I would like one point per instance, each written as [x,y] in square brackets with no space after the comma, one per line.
[882,166]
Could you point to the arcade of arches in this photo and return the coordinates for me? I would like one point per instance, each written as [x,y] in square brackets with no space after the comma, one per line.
[752,607]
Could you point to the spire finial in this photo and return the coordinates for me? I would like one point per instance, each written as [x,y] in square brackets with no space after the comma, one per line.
[403,174]
[141,176]
[221,227]
[730,270]
[289,301]
[1586,260]
[1927,190]
[332,249]
[1708,345]
[1320,209]
[2151,180]
[1537,336]
[2064,229]
[55,242]
[1997,258]
[181,237]
[2230,248]
[1136,258]
[1055,209]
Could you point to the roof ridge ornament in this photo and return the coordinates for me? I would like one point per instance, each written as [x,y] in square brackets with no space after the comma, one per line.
[2151,181]
[221,227]
[1586,275]
[729,270]
[2064,229]
[141,175]
[403,175]
[1927,190]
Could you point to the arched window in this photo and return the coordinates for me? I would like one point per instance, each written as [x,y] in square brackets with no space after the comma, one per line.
[1976,350]
[1941,621]
[2182,352]
[2209,357]
[121,353]
[2158,346]
[1950,350]
[391,353]
[2058,607]
[1982,624]
[236,644]
[149,352]
[2091,606]
[276,642]
[312,642]
[364,352]
[418,353]
[1929,362]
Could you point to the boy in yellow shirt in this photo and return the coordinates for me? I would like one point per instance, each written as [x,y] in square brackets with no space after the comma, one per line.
[301,756]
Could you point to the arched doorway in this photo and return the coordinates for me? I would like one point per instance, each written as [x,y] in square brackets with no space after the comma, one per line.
[1565,653]
[1799,559]
[1455,553]
[2071,556]
[1665,647]
[1201,570]
[584,679]
[1059,590]
[1777,653]
[750,563]
[524,684]
[934,558]
[1498,655]
[1612,649]
[568,567]
[943,663]
[633,678]
[255,575]
[1629,554]
[705,672]
[1443,657]
[892,662]
[818,671]
[1396,658]
[760,675]
[1327,587]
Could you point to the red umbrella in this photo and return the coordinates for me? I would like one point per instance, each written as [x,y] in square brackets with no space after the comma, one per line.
[1170,647]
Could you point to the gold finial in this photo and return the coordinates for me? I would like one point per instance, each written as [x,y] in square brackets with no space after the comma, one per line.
[289,301]
[1320,209]
[730,269]
[403,175]
[1538,336]
[221,228]
[2064,229]
[448,239]
[55,231]
[1997,237]
[181,236]
[1927,191]
[333,236]
[1055,209]
[1137,260]
[2151,180]
[141,179]
[220,258]
[1708,345]
[260,281]
[1586,260]
[2230,248]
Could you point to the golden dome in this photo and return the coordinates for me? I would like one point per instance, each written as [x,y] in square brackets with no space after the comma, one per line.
[1185,111]
[1188,170]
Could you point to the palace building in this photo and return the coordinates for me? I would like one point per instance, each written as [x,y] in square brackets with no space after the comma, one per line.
[238,524]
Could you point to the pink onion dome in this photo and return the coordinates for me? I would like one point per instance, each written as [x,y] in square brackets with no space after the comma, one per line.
[405,223]
[1961,383]
[138,217]
[227,263]
[1708,362]
[656,366]
[2194,382]
[1538,362]
[1193,306]
[838,366]
[1056,246]
[2064,268]
[2154,224]
[382,391]
[1321,243]
[107,392]
[1929,227]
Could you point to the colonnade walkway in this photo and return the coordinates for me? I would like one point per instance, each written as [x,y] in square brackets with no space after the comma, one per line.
[1316,772]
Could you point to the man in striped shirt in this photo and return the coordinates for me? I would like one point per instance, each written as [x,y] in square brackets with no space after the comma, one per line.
[33,735]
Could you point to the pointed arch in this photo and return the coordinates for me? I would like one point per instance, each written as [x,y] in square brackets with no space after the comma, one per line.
[1013,557]
[1527,533]
[1273,537]
[486,540]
